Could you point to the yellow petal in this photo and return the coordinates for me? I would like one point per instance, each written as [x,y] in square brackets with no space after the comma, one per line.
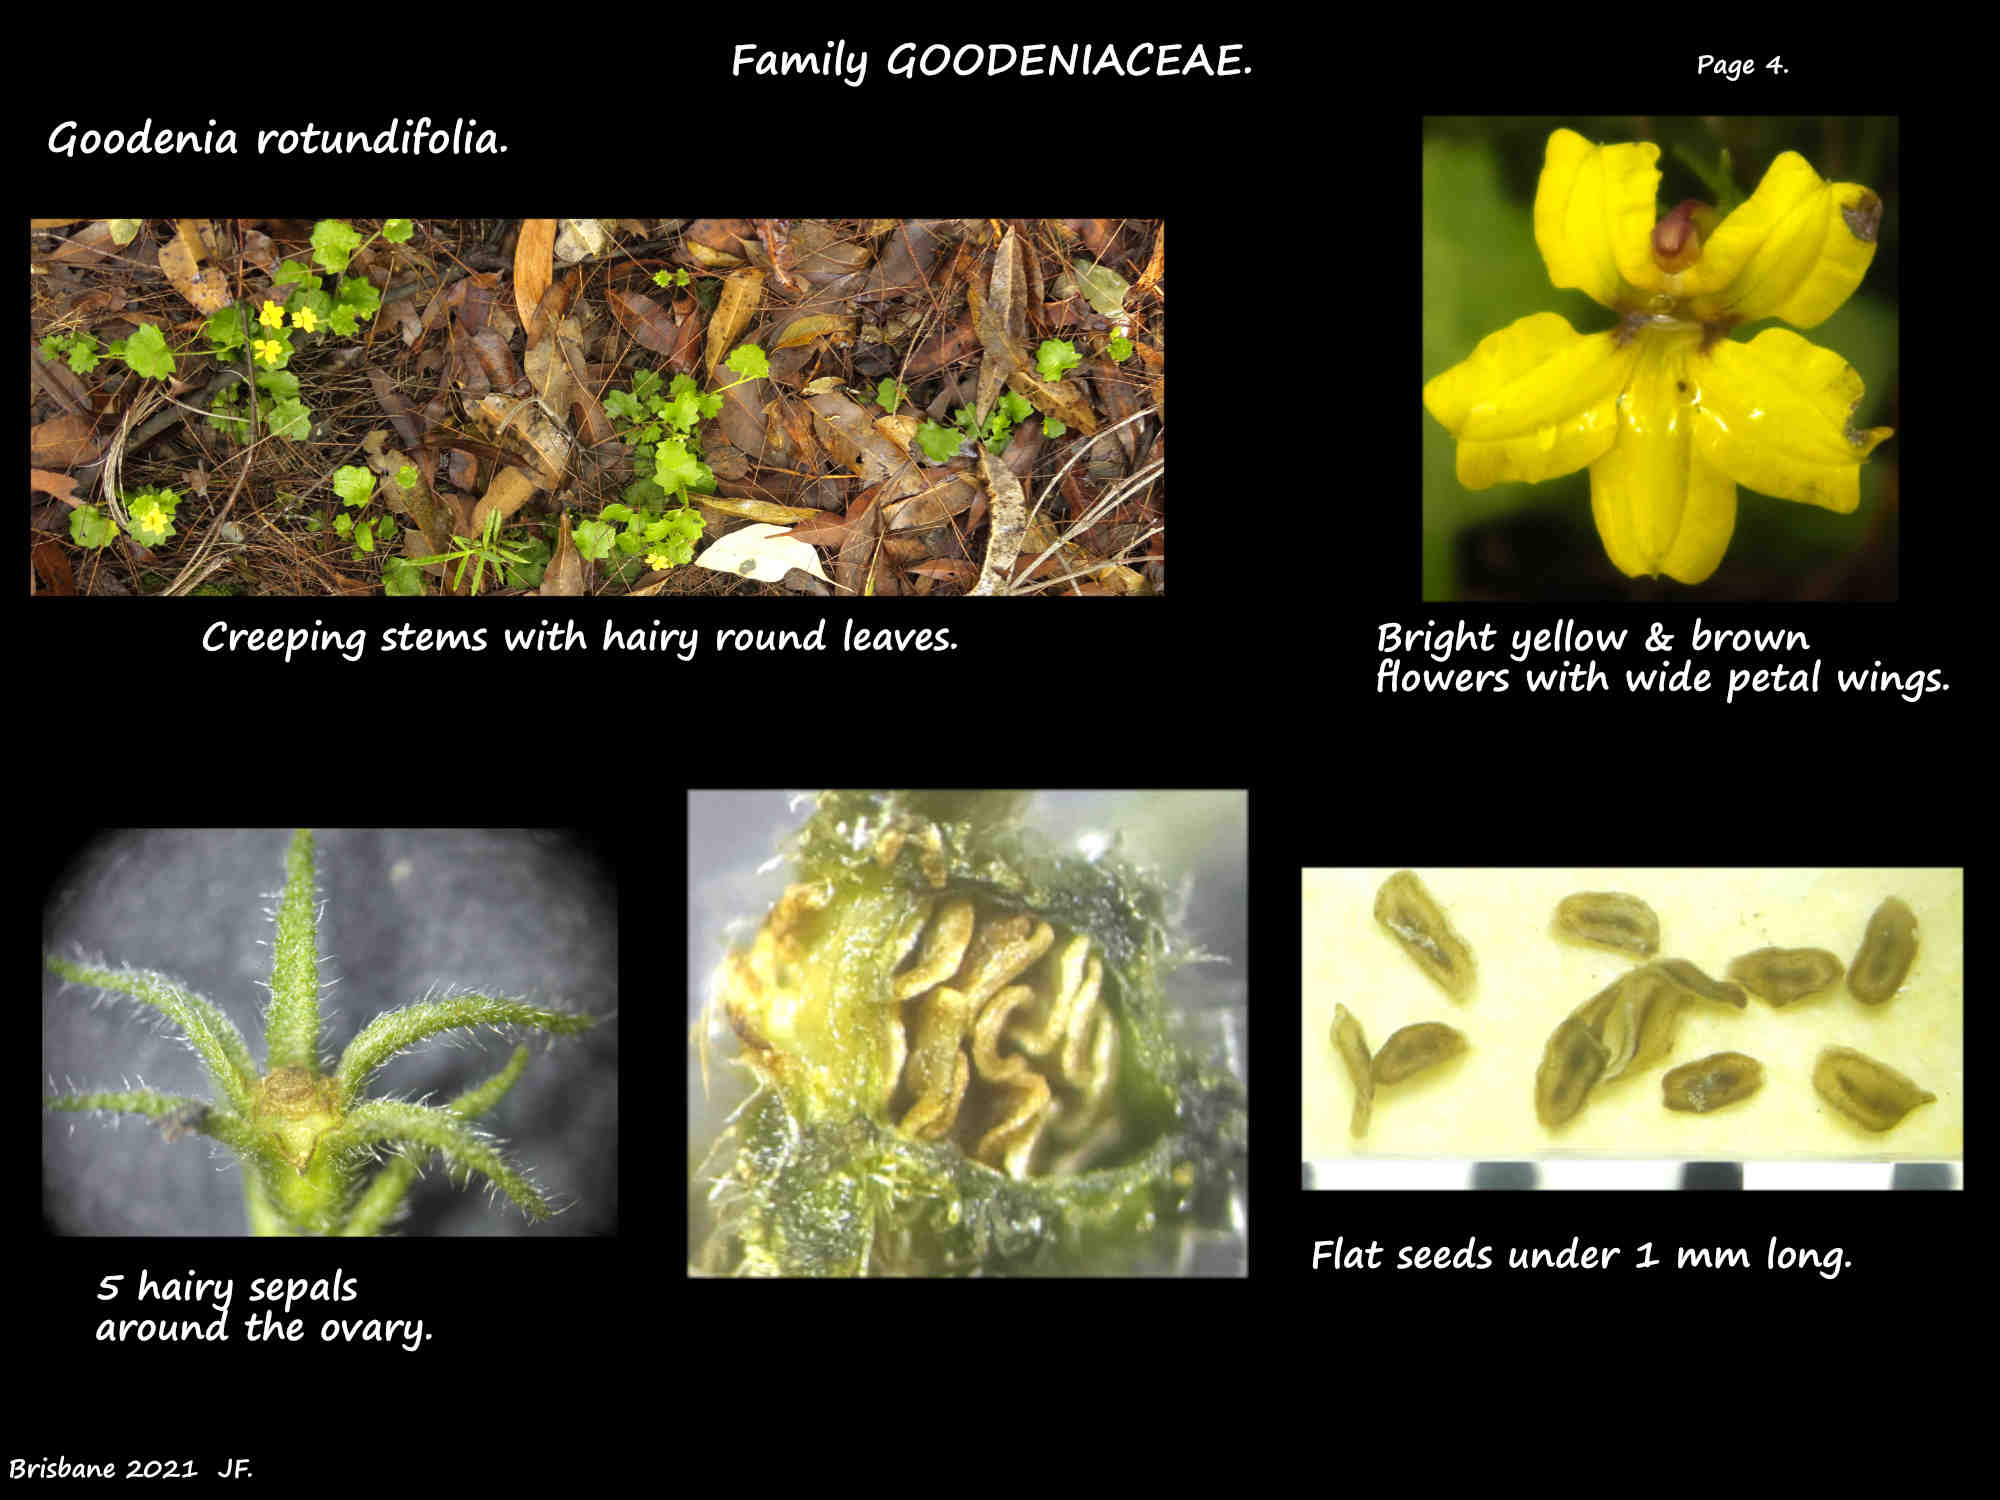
[1660,506]
[1774,414]
[1594,213]
[1534,401]
[1795,250]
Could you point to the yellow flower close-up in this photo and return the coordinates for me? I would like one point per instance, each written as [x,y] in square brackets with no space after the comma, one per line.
[272,315]
[1666,410]
[306,318]
[268,350]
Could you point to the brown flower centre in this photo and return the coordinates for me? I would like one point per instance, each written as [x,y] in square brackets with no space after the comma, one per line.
[1677,237]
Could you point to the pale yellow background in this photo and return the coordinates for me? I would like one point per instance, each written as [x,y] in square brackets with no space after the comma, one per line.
[1481,1104]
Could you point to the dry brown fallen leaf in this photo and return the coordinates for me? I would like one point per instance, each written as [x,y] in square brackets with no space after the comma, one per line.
[87,246]
[1059,400]
[742,291]
[564,575]
[52,568]
[759,510]
[1156,268]
[62,486]
[182,259]
[643,318]
[1001,316]
[520,426]
[942,496]
[1010,514]
[534,268]
[63,442]
[802,331]
[951,569]
[510,490]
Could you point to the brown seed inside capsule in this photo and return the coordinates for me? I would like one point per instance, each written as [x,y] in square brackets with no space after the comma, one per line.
[1711,1082]
[1887,951]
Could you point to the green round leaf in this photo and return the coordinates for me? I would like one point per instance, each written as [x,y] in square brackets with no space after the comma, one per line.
[355,485]
[90,527]
[401,578]
[334,243]
[748,361]
[147,353]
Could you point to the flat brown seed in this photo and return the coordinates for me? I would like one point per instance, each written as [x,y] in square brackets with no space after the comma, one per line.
[1572,1062]
[1652,1004]
[1416,921]
[1353,1049]
[1634,1017]
[1873,1095]
[1887,952]
[1612,918]
[1782,975]
[1697,983]
[1711,1082]
[1415,1048]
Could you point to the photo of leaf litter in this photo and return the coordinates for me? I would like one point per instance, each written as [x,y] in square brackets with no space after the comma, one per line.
[833,407]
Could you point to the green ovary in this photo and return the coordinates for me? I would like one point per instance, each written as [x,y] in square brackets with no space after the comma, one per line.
[295,1108]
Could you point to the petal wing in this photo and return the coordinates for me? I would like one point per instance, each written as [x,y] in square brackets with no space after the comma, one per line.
[1795,250]
[1594,212]
[1534,401]
[1660,506]
[1775,415]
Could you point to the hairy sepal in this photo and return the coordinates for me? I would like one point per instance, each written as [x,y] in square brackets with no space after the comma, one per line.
[463,1149]
[292,1024]
[211,1034]
[398,1030]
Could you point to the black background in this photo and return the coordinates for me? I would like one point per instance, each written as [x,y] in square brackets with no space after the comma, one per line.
[1294,196]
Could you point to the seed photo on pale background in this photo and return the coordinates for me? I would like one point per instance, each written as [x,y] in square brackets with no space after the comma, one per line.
[1624,1017]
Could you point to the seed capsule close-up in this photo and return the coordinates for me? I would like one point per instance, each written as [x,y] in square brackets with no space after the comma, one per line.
[962,1059]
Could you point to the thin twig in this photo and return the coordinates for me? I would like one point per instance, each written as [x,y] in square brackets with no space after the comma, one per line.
[1105,504]
[1095,568]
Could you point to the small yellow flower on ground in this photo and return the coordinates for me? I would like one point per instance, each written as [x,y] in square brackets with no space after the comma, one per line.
[1668,413]
[273,316]
[268,350]
[658,560]
[306,318]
